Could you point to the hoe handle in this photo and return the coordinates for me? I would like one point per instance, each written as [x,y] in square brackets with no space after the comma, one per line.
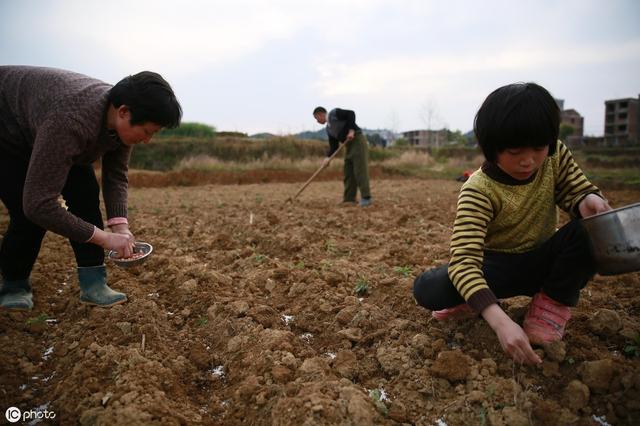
[317,172]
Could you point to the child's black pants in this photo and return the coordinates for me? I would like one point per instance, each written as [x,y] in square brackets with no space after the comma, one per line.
[560,267]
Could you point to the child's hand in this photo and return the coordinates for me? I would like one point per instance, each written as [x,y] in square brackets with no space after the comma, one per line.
[592,204]
[515,342]
[512,337]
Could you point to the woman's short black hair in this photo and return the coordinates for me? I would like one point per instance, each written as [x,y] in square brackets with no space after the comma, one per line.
[516,116]
[319,109]
[149,98]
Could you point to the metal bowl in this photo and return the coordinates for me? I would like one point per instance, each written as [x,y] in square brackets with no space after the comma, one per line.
[140,247]
[615,239]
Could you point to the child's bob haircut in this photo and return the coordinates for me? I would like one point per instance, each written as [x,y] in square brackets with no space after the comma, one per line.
[518,115]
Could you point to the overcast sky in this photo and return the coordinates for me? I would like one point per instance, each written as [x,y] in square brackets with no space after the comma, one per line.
[255,66]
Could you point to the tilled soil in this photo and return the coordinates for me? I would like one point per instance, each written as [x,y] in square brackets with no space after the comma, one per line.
[256,311]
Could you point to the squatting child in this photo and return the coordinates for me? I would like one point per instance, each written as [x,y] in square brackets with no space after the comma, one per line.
[504,240]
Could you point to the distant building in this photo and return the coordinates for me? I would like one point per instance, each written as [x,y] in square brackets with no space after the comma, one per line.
[428,138]
[386,134]
[621,117]
[572,118]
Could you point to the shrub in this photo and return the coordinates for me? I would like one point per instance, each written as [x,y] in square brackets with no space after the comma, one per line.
[192,130]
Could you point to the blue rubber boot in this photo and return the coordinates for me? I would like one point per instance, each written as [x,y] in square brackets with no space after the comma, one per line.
[94,289]
[16,295]
[365,202]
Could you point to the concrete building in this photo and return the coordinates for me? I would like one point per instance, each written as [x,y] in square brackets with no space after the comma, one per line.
[428,138]
[386,134]
[572,118]
[621,118]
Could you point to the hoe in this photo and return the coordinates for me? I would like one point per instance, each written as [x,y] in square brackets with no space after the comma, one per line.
[291,199]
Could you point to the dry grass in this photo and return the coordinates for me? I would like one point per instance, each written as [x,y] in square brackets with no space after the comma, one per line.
[411,159]
[414,159]
[206,163]
[414,163]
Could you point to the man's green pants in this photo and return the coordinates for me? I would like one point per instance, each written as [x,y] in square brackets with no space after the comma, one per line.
[356,168]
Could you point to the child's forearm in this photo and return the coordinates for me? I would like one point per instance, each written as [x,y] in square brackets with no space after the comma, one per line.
[495,316]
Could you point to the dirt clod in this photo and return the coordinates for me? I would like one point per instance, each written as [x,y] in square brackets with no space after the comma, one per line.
[452,365]
[605,322]
[576,395]
[597,374]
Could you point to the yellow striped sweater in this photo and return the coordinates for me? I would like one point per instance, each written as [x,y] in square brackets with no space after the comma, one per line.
[498,213]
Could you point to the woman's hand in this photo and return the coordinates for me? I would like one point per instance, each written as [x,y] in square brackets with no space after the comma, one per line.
[122,242]
[123,229]
[592,204]
[512,337]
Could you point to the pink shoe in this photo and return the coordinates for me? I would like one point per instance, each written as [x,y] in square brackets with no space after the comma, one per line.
[545,320]
[457,312]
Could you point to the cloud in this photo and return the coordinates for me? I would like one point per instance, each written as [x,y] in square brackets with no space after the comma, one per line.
[368,54]
[196,35]
[171,35]
[410,74]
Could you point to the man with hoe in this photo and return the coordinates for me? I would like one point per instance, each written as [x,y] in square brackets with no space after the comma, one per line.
[342,128]
[53,125]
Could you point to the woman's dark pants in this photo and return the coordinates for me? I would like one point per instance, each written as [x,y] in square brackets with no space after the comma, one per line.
[22,239]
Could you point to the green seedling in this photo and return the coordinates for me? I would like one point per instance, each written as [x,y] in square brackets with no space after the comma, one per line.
[202,321]
[491,390]
[330,247]
[483,416]
[376,396]
[405,271]
[299,265]
[37,320]
[361,288]
[258,258]
[325,265]
[633,349]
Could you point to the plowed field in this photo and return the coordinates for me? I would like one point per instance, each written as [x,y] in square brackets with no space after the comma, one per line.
[247,313]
